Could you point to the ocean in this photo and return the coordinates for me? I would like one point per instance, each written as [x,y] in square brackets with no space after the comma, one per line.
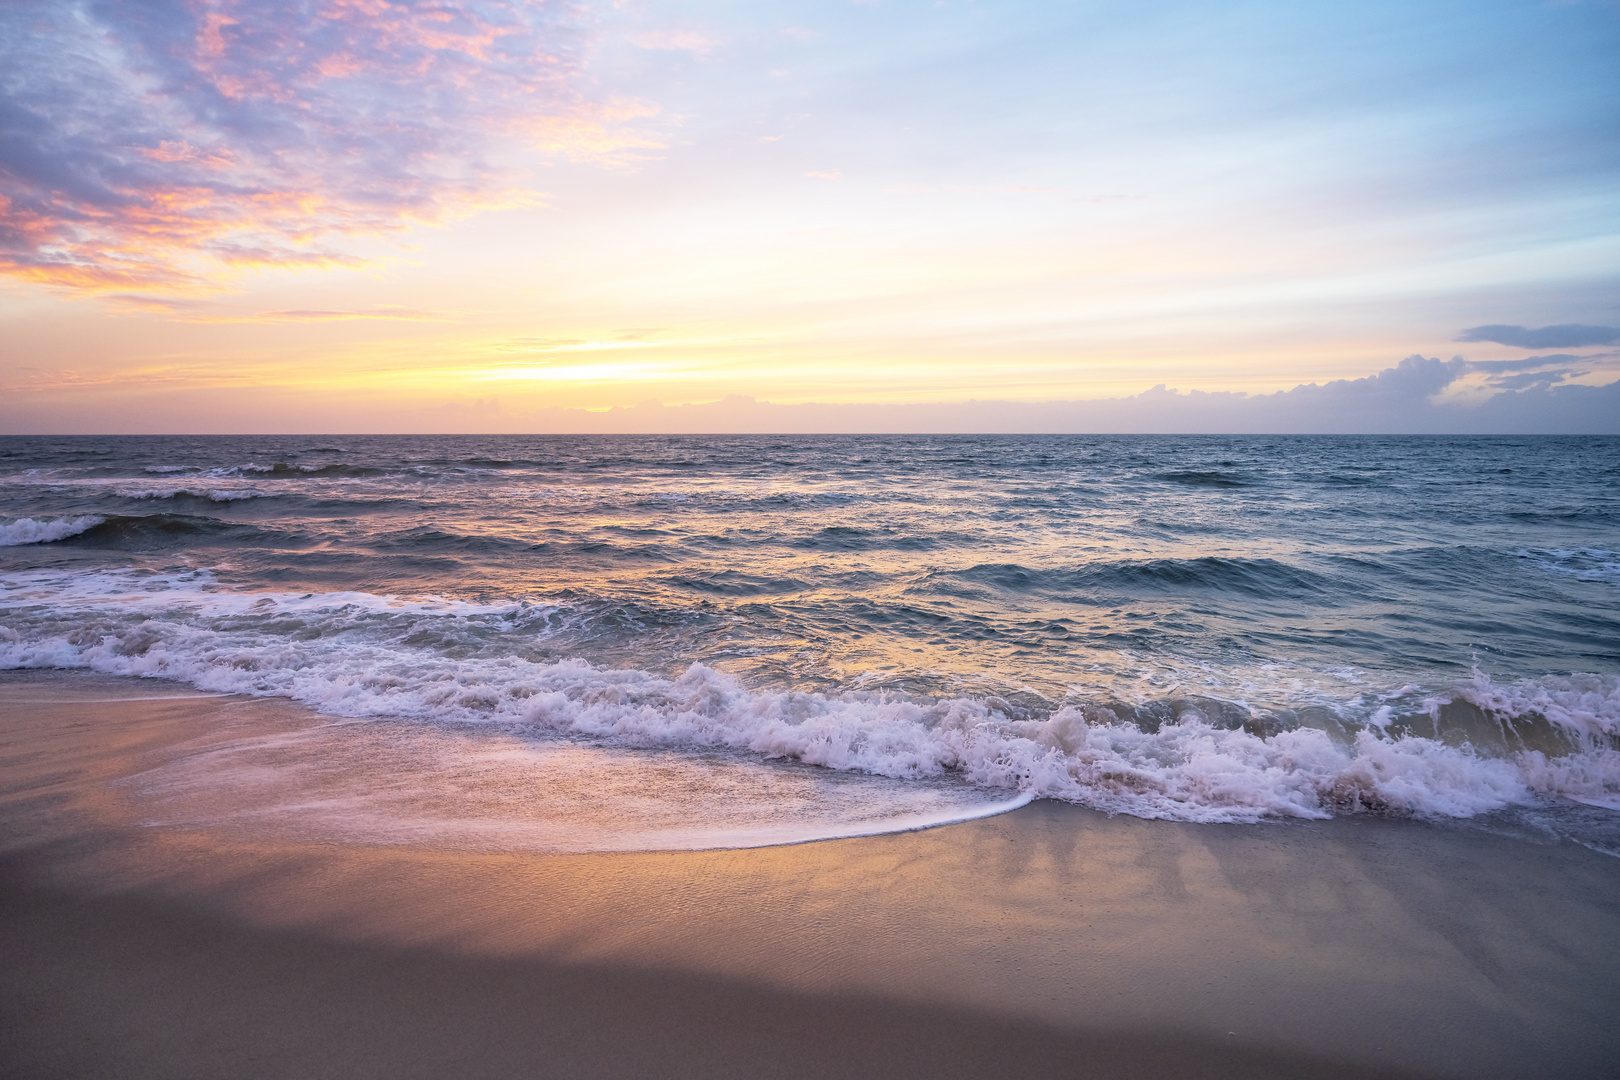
[581,643]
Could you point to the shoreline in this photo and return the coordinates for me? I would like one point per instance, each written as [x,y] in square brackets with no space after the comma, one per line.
[1049,940]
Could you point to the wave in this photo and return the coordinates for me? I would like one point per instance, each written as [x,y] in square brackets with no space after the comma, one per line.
[849,538]
[283,470]
[1251,577]
[29,531]
[144,528]
[429,540]
[124,530]
[1583,564]
[202,494]
[1205,478]
[602,551]
[738,583]
[279,469]
[1455,751]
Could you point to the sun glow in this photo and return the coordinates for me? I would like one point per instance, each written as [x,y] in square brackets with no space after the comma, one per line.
[607,371]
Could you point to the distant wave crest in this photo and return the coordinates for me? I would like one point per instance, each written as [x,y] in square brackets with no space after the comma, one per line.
[209,494]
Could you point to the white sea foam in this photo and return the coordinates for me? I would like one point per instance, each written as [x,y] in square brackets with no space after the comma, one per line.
[28,531]
[351,655]
[1584,564]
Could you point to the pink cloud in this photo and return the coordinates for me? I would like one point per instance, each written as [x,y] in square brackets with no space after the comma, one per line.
[146,146]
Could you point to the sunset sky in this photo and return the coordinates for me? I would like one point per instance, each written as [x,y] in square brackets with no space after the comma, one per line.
[363,215]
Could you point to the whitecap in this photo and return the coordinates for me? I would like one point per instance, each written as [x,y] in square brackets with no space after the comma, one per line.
[29,531]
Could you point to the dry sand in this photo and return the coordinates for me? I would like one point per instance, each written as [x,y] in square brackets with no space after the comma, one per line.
[1052,941]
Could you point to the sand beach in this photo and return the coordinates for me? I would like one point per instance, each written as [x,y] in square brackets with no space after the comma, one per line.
[1050,941]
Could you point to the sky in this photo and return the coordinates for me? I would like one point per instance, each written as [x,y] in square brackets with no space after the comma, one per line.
[505,215]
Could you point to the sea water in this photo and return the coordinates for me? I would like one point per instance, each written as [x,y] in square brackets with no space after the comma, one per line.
[570,643]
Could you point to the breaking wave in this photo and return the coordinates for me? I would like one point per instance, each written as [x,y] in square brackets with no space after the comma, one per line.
[28,531]
[1454,751]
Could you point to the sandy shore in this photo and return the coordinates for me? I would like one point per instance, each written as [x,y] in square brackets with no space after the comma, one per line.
[1051,941]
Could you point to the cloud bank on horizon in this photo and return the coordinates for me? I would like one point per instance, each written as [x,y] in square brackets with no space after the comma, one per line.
[1416,396]
[1409,398]
[254,214]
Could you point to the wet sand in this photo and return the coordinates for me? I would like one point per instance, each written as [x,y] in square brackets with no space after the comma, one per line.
[1051,941]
